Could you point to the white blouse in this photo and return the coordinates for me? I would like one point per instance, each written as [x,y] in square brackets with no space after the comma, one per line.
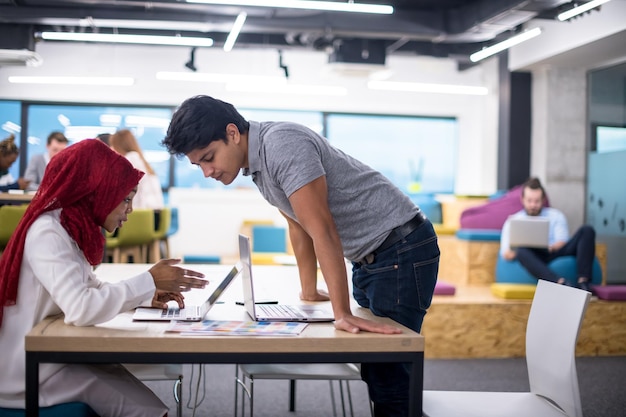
[56,278]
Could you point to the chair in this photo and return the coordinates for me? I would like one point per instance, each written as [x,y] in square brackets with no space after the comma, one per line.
[172,229]
[324,371]
[10,217]
[162,372]
[160,236]
[133,238]
[73,409]
[552,331]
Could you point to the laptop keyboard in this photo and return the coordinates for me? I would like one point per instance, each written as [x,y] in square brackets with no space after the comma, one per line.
[278,311]
[171,313]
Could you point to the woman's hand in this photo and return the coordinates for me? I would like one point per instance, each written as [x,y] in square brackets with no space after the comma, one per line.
[161,298]
[168,277]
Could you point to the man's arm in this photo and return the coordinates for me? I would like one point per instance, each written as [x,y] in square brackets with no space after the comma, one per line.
[307,261]
[310,204]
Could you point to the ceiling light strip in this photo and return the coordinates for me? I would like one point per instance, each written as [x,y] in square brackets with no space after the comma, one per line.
[331,6]
[234,32]
[110,81]
[303,89]
[207,77]
[124,38]
[580,9]
[426,88]
[501,46]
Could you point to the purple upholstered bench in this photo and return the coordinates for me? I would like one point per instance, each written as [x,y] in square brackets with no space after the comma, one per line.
[443,288]
[609,292]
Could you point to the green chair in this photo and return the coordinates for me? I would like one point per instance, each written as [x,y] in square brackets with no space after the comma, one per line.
[10,217]
[133,238]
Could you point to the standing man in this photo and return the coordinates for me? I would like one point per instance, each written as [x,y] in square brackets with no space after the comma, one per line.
[582,245]
[336,207]
[37,165]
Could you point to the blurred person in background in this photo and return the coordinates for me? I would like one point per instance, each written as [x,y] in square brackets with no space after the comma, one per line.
[8,155]
[55,143]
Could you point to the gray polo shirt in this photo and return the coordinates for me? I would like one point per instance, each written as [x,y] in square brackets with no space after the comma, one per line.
[283,157]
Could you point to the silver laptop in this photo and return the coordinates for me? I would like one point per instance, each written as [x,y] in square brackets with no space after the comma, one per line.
[529,232]
[273,312]
[190,312]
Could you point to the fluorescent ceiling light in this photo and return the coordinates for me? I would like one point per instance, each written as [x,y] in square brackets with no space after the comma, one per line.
[331,6]
[313,90]
[427,88]
[498,47]
[580,9]
[122,38]
[207,77]
[234,32]
[115,81]
[134,24]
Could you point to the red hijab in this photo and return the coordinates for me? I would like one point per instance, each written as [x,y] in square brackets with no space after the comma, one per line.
[87,180]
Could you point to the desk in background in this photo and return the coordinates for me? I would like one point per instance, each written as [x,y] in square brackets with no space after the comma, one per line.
[17,198]
[124,341]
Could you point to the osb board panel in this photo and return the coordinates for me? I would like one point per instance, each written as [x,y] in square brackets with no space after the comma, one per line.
[475,330]
[453,263]
[474,324]
[604,329]
[482,262]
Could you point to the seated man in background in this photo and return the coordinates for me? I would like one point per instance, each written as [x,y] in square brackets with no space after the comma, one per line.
[37,166]
[536,260]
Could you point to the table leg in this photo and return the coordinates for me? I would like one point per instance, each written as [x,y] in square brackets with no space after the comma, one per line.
[32,386]
[416,386]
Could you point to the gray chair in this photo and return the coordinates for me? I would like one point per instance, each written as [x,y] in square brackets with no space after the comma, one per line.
[340,372]
[162,372]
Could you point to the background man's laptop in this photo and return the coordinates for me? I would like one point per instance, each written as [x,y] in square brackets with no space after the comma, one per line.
[529,232]
[273,312]
[190,312]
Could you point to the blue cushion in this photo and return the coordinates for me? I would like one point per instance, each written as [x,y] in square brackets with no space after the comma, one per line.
[492,235]
[73,409]
[173,222]
[201,259]
[564,266]
[428,205]
[269,239]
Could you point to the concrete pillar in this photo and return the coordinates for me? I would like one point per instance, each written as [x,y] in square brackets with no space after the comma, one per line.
[558,142]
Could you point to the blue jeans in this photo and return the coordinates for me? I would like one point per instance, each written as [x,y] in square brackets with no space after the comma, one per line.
[582,245]
[398,284]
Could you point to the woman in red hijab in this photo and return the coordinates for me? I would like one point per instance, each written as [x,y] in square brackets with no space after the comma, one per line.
[47,269]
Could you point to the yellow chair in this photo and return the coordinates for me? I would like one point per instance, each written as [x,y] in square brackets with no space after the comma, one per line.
[10,217]
[133,238]
[160,236]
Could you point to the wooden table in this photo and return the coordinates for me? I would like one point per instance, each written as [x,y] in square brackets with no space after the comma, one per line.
[124,341]
[18,198]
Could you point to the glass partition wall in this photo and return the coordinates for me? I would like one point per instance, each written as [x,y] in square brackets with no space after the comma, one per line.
[606,164]
[418,154]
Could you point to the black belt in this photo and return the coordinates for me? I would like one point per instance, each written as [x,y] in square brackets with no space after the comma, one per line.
[396,235]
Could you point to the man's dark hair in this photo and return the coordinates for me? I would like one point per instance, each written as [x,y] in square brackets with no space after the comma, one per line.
[58,136]
[199,121]
[534,184]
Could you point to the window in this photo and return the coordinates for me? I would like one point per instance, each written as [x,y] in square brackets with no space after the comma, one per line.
[418,154]
[149,126]
[10,115]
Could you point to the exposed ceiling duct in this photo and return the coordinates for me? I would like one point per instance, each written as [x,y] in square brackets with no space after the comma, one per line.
[440,28]
[17,46]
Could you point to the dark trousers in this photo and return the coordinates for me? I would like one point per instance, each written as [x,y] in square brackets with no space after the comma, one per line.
[582,245]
